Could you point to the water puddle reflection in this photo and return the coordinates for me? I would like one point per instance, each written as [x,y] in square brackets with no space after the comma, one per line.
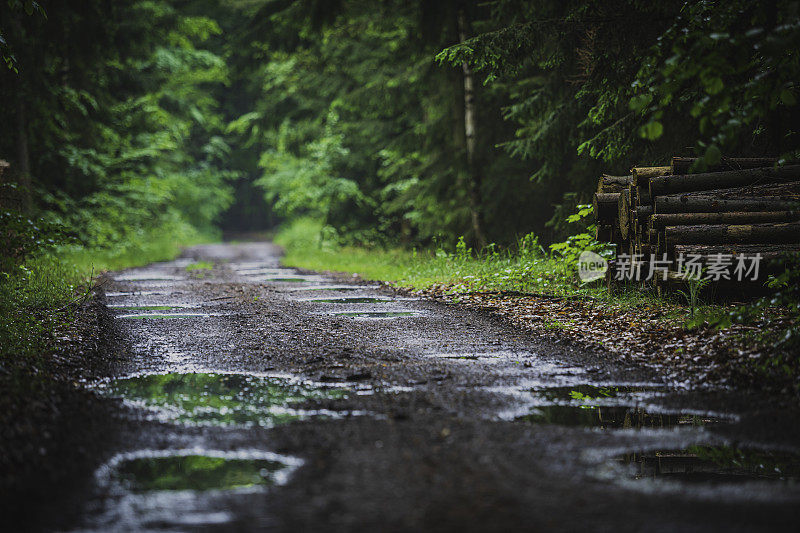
[595,395]
[172,307]
[184,488]
[620,417]
[148,277]
[157,316]
[224,399]
[712,465]
[350,300]
[137,293]
[334,288]
[377,314]
[195,472]
[610,407]
[285,280]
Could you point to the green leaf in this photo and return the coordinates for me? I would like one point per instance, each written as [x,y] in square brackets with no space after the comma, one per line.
[714,85]
[713,155]
[652,130]
[640,102]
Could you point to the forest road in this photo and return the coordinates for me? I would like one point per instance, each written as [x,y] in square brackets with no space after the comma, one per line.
[247,396]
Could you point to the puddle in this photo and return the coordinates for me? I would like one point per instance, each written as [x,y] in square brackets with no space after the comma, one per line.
[350,300]
[712,465]
[184,489]
[195,472]
[156,316]
[151,307]
[488,357]
[224,399]
[148,277]
[594,395]
[337,288]
[619,417]
[285,280]
[263,271]
[377,314]
[137,293]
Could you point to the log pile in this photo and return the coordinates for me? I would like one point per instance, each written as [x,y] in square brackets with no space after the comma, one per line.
[661,215]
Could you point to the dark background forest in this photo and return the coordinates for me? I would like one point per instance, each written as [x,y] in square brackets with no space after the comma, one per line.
[389,122]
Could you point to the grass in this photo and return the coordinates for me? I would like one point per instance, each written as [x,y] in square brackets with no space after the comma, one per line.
[38,298]
[527,268]
[200,265]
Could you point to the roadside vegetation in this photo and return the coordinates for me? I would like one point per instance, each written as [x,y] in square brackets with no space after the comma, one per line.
[699,336]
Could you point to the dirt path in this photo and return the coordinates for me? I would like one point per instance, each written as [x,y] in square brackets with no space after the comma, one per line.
[372,410]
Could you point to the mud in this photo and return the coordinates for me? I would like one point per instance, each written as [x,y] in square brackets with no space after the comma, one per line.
[435,419]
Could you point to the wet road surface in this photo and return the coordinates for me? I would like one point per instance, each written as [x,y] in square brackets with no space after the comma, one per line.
[251,397]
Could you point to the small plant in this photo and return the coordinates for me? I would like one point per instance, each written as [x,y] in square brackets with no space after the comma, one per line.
[200,265]
[694,285]
[571,249]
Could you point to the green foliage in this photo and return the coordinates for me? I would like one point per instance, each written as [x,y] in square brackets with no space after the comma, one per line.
[129,140]
[22,236]
[570,250]
[200,265]
[724,64]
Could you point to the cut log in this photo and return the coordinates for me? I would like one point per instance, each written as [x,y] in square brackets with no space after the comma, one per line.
[644,211]
[681,165]
[785,191]
[739,234]
[608,183]
[711,204]
[605,206]
[623,213]
[722,180]
[769,252]
[640,174]
[695,219]
[604,233]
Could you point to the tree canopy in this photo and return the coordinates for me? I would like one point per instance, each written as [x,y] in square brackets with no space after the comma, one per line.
[393,123]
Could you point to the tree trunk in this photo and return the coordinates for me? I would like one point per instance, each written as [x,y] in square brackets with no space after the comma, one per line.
[23,168]
[695,219]
[681,165]
[474,180]
[710,204]
[738,234]
[23,158]
[722,180]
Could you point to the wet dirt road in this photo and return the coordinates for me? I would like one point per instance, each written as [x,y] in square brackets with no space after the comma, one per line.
[252,397]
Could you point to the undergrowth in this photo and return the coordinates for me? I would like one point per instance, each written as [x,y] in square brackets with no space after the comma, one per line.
[526,267]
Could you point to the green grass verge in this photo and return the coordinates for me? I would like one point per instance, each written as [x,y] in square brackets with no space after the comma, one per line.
[527,268]
[40,297]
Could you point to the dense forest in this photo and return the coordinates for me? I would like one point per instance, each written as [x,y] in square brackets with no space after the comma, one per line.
[468,264]
[391,122]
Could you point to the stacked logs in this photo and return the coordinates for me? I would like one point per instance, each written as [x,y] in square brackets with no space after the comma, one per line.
[741,206]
